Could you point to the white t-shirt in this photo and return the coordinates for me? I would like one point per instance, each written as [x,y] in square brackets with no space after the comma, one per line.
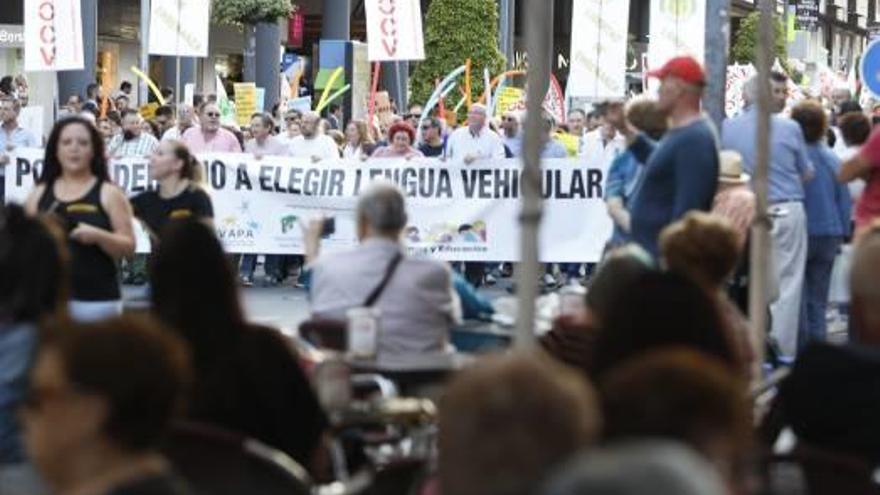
[321,146]
[484,145]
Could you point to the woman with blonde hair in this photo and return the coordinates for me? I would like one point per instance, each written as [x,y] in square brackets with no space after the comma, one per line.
[358,143]
[179,195]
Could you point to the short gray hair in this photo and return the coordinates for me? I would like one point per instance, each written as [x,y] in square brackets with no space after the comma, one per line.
[383,207]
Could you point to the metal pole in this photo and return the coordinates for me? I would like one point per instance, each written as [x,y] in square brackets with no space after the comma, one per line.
[177,83]
[538,29]
[717,34]
[761,246]
[145,51]
[506,26]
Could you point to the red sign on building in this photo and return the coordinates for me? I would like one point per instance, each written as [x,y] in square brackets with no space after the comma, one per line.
[295,29]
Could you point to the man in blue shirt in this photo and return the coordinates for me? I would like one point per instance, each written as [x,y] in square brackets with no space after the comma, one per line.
[790,167]
[681,170]
[11,136]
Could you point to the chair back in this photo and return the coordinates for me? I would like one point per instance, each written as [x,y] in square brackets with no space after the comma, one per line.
[215,461]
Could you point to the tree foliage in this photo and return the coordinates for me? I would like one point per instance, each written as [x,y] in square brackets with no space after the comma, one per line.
[456,30]
[240,12]
[745,44]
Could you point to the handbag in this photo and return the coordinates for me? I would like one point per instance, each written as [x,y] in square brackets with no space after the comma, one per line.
[332,334]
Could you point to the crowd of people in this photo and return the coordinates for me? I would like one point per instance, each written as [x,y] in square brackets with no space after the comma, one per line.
[651,386]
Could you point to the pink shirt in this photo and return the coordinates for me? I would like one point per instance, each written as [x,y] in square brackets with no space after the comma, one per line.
[736,203]
[389,152]
[868,207]
[222,141]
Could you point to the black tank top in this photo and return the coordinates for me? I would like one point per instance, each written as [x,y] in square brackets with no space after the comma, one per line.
[94,275]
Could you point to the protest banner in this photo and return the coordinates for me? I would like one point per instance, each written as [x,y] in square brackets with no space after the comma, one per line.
[53,37]
[456,211]
[394,30]
[598,49]
[179,28]
[245,102]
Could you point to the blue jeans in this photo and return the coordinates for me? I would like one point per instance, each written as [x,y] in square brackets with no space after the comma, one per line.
[821,252]
[248,265]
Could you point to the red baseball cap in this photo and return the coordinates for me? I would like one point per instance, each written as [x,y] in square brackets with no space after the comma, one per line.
[685,68]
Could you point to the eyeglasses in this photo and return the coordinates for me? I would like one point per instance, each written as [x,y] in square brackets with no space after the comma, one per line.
[212,114]
[290,119]
[426,128]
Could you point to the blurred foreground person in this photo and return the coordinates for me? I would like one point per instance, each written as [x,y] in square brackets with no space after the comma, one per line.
[33,288]
[506,422]
[659,311]
[637,468]
[417,304]
[573,336]
[683,396]
[705,248]
[101,398]
[247,377]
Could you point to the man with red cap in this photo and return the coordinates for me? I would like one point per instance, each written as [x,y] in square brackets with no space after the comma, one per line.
[681,170]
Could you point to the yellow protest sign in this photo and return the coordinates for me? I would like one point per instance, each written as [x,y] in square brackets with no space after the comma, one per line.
[148,111]
[510,100]
[245,102]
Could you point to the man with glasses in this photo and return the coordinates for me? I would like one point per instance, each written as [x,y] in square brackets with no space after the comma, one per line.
[475,141]
[293,127]
[432,140]
[12,135]
[414,115]
[210,136]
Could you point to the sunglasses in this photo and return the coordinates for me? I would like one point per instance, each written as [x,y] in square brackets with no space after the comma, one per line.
[212,114]
[426,128]
[509,119]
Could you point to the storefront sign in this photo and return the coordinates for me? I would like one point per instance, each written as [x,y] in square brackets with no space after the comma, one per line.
[11,36]
[807,15]
[394,30]
[295,29]
[53,35]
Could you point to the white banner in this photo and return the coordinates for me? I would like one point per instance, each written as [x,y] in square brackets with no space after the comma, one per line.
[53,35]
[456,211]
[678,27]
[179,28]
[598,49]
[394,30]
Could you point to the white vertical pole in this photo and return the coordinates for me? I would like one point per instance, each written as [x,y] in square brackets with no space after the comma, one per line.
[145,51]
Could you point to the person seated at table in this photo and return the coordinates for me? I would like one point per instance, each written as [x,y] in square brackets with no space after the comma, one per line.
[417,305]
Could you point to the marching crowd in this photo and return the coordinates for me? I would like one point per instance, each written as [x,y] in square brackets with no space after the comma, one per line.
[662,399]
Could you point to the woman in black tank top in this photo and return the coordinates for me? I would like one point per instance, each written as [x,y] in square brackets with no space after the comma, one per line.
[179,196]
[75,187]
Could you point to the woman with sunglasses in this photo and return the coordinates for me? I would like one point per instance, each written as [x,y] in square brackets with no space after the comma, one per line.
[76,187]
